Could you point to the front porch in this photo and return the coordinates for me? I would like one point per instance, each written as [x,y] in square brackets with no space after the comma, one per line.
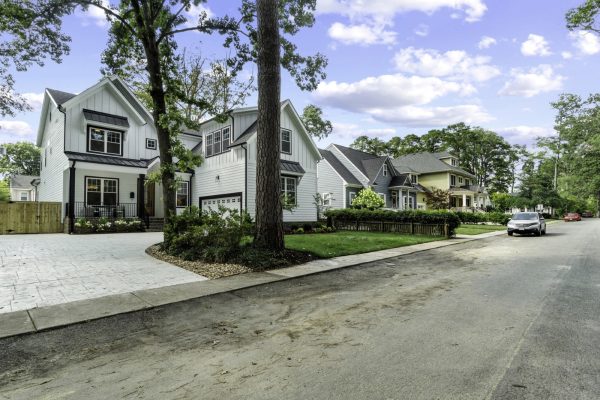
[401,199]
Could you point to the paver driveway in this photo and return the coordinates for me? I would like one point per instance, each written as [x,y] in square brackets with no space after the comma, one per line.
[42,270]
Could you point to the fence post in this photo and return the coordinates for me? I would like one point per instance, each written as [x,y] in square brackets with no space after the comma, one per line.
[446,233]
[412,228]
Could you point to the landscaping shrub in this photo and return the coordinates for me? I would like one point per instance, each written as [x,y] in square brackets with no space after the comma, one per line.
[213,236]
[414,216]
[368,199]
[479,217]
[105,225]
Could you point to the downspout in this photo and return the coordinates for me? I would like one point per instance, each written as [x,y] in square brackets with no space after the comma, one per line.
[245,176]
[71,173]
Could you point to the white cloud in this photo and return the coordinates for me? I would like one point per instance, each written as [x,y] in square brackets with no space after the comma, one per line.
[387,91]
[35,100]
[535,45]
[386,9]
[524,134]
[362,34]
[433,116]
[422,30]
[537,80]
[352,131]
[455,64]
[486,42]
[401,99]
[194,13]
[95,15]
[567,55]
[15,128]
[587,43]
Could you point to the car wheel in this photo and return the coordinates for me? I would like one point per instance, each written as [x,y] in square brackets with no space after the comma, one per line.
[510,233]
[538,233]
[544,232]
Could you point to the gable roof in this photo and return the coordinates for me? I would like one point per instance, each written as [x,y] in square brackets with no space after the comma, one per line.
[243,138]
[425,163]
[22,181]
[443,154]
[401,180]
[60,97]
[339,167]
[368,164]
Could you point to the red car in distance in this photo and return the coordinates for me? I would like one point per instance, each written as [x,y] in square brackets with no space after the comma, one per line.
[572,217]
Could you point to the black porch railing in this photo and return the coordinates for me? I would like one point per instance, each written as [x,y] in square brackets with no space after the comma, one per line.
[110,211]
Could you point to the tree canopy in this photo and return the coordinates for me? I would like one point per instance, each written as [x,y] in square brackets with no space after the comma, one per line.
[21,158]
[315,124]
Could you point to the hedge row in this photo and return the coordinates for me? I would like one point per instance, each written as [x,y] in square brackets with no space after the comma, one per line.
[480,217]
[414,216]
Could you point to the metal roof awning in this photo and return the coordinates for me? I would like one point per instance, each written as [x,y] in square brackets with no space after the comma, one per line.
[102,159]
[104,118]
[291,167]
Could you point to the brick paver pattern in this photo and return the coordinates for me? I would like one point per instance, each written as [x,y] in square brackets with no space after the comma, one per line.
[42,270]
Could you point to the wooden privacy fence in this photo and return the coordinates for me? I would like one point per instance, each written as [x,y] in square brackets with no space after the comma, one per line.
[409,228]
[30,217]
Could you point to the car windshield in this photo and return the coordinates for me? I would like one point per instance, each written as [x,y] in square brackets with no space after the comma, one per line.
[572,214]
[525,216]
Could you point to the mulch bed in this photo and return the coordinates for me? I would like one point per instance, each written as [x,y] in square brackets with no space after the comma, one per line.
[287,258]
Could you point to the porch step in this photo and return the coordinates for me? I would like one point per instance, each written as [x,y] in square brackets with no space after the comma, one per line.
[155,224]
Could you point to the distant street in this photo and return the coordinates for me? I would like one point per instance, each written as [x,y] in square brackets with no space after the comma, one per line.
[501,318]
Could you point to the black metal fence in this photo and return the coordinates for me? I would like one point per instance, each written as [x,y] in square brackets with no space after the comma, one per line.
[112,211]
[407,228]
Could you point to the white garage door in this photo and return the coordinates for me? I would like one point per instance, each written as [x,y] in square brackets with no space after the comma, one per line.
[231,202]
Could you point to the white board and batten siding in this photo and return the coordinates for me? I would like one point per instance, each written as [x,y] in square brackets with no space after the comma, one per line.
[329,181]
[107,101]
[54,163]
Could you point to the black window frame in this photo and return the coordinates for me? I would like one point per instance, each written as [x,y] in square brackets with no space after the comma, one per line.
[282,130]
[102,179]
[150,140]
[187,194]
[452,178]
[210,146]
[106,131]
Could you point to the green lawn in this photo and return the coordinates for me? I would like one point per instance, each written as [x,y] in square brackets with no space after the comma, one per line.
[477,229]
[327,245]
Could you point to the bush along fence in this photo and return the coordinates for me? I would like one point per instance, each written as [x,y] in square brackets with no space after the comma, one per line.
[480,218]
[432,223]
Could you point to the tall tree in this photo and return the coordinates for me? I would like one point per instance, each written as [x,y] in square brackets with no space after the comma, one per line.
[269,225]
[21,158]
[584,17]
[373,146]
[315,124]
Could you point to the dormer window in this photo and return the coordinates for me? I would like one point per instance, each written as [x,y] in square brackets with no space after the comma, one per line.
[105,141]
[414,179]
[385,170]
[454,162]
[286,141]
[218,142]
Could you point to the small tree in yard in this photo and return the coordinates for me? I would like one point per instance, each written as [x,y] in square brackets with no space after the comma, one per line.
[438,199]
[367,198]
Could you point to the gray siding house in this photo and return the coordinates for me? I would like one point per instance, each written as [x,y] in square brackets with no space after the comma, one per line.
[344,171]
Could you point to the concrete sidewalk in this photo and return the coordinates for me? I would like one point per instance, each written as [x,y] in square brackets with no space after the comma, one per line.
[43,318]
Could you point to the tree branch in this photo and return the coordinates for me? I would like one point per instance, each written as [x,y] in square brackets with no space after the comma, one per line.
[202,28]
[108,11]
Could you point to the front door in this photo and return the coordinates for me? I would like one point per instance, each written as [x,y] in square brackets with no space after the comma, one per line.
[149,198]
[394,199]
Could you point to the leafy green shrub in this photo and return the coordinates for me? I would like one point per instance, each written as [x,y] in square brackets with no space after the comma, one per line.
[479,218]
[299,231]
[415,216]
[213,236]
[368,199]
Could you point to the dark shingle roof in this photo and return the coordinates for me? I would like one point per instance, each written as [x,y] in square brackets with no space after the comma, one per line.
[291,166]
[424,163]
[105,118]
[22,181]
[400,180]
[101,159]
[59,96]
[243,138]
[339,167]
[366,163]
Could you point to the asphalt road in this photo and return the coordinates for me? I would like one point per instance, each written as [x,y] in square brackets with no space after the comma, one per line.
[502,318]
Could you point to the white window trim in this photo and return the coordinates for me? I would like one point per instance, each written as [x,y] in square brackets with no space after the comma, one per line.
[87,178]
[326,199]
[452,184]
[187,193]
[351,197]
[285,188]
[385,170]
[21,196]
[382,195]
[281,139]
[150,140]
[106,132]
[222,149]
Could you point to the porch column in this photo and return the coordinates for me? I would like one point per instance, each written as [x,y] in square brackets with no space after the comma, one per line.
[464,203]
[141,196]
[72,198]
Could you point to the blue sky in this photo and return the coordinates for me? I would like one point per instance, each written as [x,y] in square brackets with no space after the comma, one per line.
[395,66]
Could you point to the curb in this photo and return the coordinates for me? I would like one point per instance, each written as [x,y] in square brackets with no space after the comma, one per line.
[41,319]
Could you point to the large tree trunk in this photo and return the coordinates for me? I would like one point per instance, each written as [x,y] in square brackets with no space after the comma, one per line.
[269,213]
